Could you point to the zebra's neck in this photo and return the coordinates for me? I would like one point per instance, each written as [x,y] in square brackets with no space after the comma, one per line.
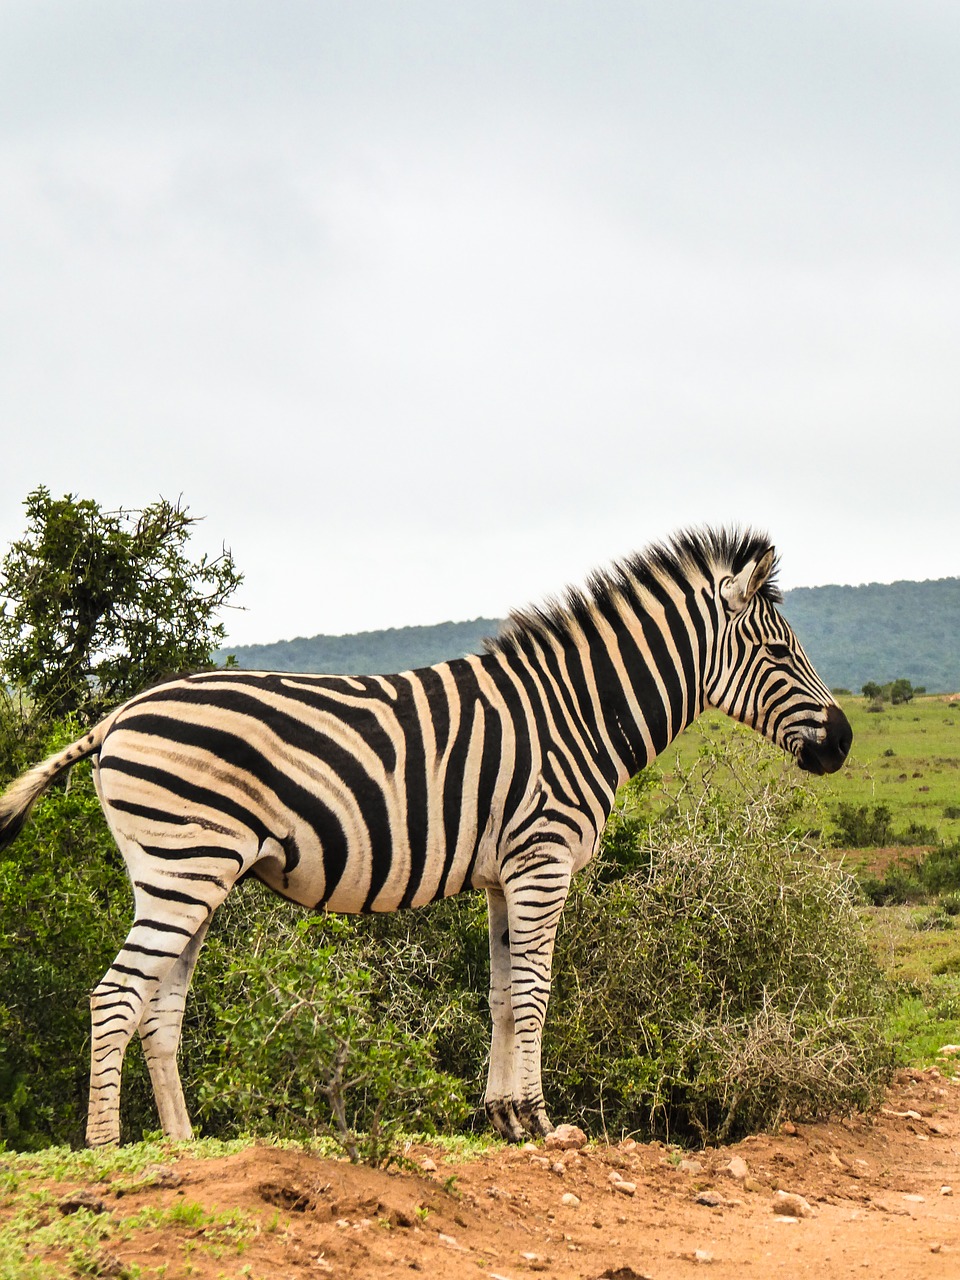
[628,665]
[648,656]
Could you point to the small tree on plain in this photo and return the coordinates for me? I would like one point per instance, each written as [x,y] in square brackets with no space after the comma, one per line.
[98,603]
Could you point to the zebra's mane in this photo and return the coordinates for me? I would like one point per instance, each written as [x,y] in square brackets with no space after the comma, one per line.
[710,553]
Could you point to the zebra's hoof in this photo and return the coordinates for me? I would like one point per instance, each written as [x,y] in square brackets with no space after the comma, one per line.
[502,1114]
[534,1118]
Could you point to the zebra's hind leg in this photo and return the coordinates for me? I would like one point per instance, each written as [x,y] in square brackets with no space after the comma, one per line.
[172,906]
[500,1097]
[160,1029]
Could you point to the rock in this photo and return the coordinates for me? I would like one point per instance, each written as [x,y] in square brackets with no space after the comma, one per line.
[702,1255]
[559,1168]
[428,1165]
[543,1161]
[946,1191]
[789,1129]
[915,1199]
[948,1051]
[569,1199]
[791,1205]
[690,1166]
[625,1188]
[81,1200]
[713,1199]
[566,1137]
[622,1273]
[451,1243]
[737,1168]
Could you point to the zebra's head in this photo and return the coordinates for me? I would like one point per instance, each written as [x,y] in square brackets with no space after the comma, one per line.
[761,676]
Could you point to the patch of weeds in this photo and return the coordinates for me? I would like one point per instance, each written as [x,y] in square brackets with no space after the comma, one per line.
[924,1019]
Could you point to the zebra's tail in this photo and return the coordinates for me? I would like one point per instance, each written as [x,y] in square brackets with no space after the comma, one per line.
[20,797]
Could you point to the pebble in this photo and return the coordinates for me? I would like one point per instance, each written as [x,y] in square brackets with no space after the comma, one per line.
[737,1168]
[946,1191]
[569,1199]
[428,1165]
[625,1188]
[702,1255]
[690,1166]
[793,1206]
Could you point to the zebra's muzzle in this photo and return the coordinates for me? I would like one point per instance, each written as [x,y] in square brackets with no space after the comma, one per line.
[827,755]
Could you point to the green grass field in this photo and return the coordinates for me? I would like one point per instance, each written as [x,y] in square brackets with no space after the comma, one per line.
[905,757]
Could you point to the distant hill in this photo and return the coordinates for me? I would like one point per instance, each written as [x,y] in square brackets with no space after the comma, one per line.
[368,653]
[881,631]
[852,634]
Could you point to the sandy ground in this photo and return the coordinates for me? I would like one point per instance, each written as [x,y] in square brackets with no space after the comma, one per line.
[883,1193]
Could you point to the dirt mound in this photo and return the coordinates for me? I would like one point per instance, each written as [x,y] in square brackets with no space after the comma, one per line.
[863,1193]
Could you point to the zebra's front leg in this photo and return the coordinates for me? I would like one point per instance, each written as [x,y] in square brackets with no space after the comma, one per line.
[535,894]
[500,1098]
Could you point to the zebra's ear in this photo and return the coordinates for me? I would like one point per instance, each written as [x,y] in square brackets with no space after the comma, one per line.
[738,591]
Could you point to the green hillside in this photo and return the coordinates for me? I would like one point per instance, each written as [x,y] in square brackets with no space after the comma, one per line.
[368,653]
[881,632]
[874,632]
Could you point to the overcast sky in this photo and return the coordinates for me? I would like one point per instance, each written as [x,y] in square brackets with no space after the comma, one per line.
[429,307]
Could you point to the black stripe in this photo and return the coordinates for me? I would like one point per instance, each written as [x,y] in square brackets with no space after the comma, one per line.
[415,793]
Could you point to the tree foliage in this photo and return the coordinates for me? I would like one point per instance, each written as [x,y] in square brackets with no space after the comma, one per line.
[98,603]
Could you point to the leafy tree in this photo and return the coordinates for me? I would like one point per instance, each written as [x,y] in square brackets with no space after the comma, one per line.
[901,691]
[872,690]
[99,603]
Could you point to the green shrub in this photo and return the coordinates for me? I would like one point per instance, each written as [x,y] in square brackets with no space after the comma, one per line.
[861,826]
[299,1050]
[65,908]
[724,986]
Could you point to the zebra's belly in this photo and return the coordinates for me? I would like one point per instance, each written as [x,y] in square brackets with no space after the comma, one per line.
[365,877]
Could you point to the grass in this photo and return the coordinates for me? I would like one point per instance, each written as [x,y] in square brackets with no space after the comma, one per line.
[918,950]
[38,1242]
[908,758]
[905,757]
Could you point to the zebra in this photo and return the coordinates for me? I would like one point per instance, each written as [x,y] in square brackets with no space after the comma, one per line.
[493,771]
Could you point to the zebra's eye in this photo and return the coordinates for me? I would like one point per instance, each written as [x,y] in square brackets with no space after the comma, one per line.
[779,652]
